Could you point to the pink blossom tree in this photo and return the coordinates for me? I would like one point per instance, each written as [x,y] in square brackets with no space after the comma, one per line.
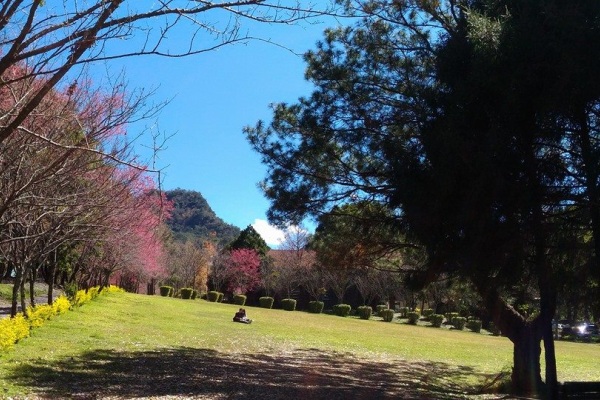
[243,270]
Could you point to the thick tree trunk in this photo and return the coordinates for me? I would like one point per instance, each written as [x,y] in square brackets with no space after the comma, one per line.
[526,374]
[526,337]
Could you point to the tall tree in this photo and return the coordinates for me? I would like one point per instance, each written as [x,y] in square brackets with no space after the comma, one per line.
[469,122]
[250,239]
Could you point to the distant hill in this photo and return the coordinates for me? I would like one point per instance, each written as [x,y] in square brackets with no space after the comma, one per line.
[192,218]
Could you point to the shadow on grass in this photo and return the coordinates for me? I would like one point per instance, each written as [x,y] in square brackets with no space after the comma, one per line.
[207,374]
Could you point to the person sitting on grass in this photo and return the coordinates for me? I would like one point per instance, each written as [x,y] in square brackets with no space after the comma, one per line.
[240,316]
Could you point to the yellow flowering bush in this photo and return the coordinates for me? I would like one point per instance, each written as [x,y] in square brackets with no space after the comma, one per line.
[12,330]
[61,305]
[39,314]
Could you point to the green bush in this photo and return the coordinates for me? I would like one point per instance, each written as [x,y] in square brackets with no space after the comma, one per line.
[266,302]
[450,317]
[436,320]
[315,307]
[413,317]
[166,291]
[474,325]
[71,290]
[364,312]
[186,293]
[288,304]
[194,294]
[342,310]
[459,323]
[380,308]
[387,315]
[427,313]
[213,296]
[403,312]
[220,297]
[239,299]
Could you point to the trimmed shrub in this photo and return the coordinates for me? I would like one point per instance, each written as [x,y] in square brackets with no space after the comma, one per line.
[186,293]
[450,317]
[315,307]
[266,302]
[474,325]
[413,317]
[166,291]
[239,299]
[380,308]
[459,323]
[342,310]
[194,294]
[288,304]
[427,313]
[387,315]
[213,296]
[436,320]
[364,312]
[403,312]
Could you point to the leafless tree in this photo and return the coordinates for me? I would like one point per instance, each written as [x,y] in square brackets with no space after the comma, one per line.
[50,38]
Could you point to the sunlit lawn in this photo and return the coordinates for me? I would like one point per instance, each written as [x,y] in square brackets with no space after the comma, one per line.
[131,324]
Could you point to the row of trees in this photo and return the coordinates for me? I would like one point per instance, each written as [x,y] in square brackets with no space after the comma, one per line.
[76,205]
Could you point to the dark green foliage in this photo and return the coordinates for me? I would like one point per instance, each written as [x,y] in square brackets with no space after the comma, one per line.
[459,322]
[288,304]
[364,312]
[315,307]
[450,317]
[266,302]
[71,289]
[213,296]
[194,294]
[474,325]
[436,320]
[493,329]
[186,293]
[250,239]
[239,299]
[403,312]
[220,297]
[426,313]
[380,308]
[166,291]
[342,310]
[192,218]
[387,315]
[413,317]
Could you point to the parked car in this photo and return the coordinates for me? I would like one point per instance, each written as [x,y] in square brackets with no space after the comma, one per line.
[585,330]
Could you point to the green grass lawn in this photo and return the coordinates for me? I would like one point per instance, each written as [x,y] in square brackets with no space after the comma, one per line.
[134,346]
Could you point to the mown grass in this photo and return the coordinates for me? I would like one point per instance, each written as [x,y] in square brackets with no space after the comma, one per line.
[173,337]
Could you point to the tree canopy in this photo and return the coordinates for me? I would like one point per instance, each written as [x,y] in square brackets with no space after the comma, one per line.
[474,123]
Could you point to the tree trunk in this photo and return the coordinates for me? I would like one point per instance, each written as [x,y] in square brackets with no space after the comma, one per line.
[14,307]
[526,374]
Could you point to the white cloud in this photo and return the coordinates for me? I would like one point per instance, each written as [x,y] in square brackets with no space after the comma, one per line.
[271,234]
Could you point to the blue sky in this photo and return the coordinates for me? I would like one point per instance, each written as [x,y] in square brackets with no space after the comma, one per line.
[214,95]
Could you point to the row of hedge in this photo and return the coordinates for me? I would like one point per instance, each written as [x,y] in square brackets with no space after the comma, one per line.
[364,312]
[184,293]
[14,329]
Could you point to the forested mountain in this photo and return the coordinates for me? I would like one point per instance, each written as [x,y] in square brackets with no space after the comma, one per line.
[193,218]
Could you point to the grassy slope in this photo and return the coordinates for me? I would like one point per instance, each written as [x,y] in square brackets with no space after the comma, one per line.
[137,326]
